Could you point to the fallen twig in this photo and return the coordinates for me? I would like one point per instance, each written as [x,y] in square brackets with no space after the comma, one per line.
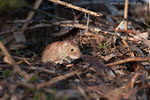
[29,17]
[61,23]
[14,64]
[57,79]
[126,14]
[36,68]
[83,93]
[82,26]
[128,60]
[76,8]
[124,21]
[130,86]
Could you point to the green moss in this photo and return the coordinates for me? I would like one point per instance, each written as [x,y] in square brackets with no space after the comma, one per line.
[102,45]
[52,97]
[34,57]
[16,3]
[64,98]
[39,95]
[33,78]
[11,4]
[6,73]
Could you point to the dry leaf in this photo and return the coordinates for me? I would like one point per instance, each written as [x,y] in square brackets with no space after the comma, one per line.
[108,57]
[7,60]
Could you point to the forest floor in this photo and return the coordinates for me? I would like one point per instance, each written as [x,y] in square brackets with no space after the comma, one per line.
[115,63]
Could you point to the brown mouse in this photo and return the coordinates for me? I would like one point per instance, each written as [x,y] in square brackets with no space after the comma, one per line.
[57,52]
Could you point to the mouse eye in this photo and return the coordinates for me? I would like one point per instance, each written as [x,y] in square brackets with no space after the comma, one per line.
[72,50]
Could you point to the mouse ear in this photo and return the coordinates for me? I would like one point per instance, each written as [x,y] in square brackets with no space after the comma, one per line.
[65,44]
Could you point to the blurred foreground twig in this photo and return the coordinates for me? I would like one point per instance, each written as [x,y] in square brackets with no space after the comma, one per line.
[57,79]
[14,64]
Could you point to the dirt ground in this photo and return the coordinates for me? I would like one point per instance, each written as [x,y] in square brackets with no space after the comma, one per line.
[114,65]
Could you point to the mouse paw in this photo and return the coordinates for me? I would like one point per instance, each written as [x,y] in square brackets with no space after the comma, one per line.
[68,60]
[59,62]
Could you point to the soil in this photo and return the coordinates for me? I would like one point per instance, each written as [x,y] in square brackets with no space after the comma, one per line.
[114,65]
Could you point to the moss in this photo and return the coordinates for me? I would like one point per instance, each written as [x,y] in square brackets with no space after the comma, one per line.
[6,73]
[11,4]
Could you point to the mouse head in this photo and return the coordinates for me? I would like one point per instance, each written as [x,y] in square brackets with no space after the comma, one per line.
[72,49]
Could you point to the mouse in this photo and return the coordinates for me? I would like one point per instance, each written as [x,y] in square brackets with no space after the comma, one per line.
[60,51]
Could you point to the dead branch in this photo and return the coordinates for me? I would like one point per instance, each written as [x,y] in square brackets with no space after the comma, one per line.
[126,14]
[76,8]
[36,68]
[128,60]
[14,64]
[83,93]
[82,26]
[61,23]
[29,17]
[57,79]
[124,21]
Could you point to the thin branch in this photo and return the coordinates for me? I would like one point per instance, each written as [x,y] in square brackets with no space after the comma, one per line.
[126,14]
[57,79]
[125,17]
[76,8]
[36,68]
[61,23]
[122,22]
[128,60]
[14,64]
[31,13]
[29,17]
